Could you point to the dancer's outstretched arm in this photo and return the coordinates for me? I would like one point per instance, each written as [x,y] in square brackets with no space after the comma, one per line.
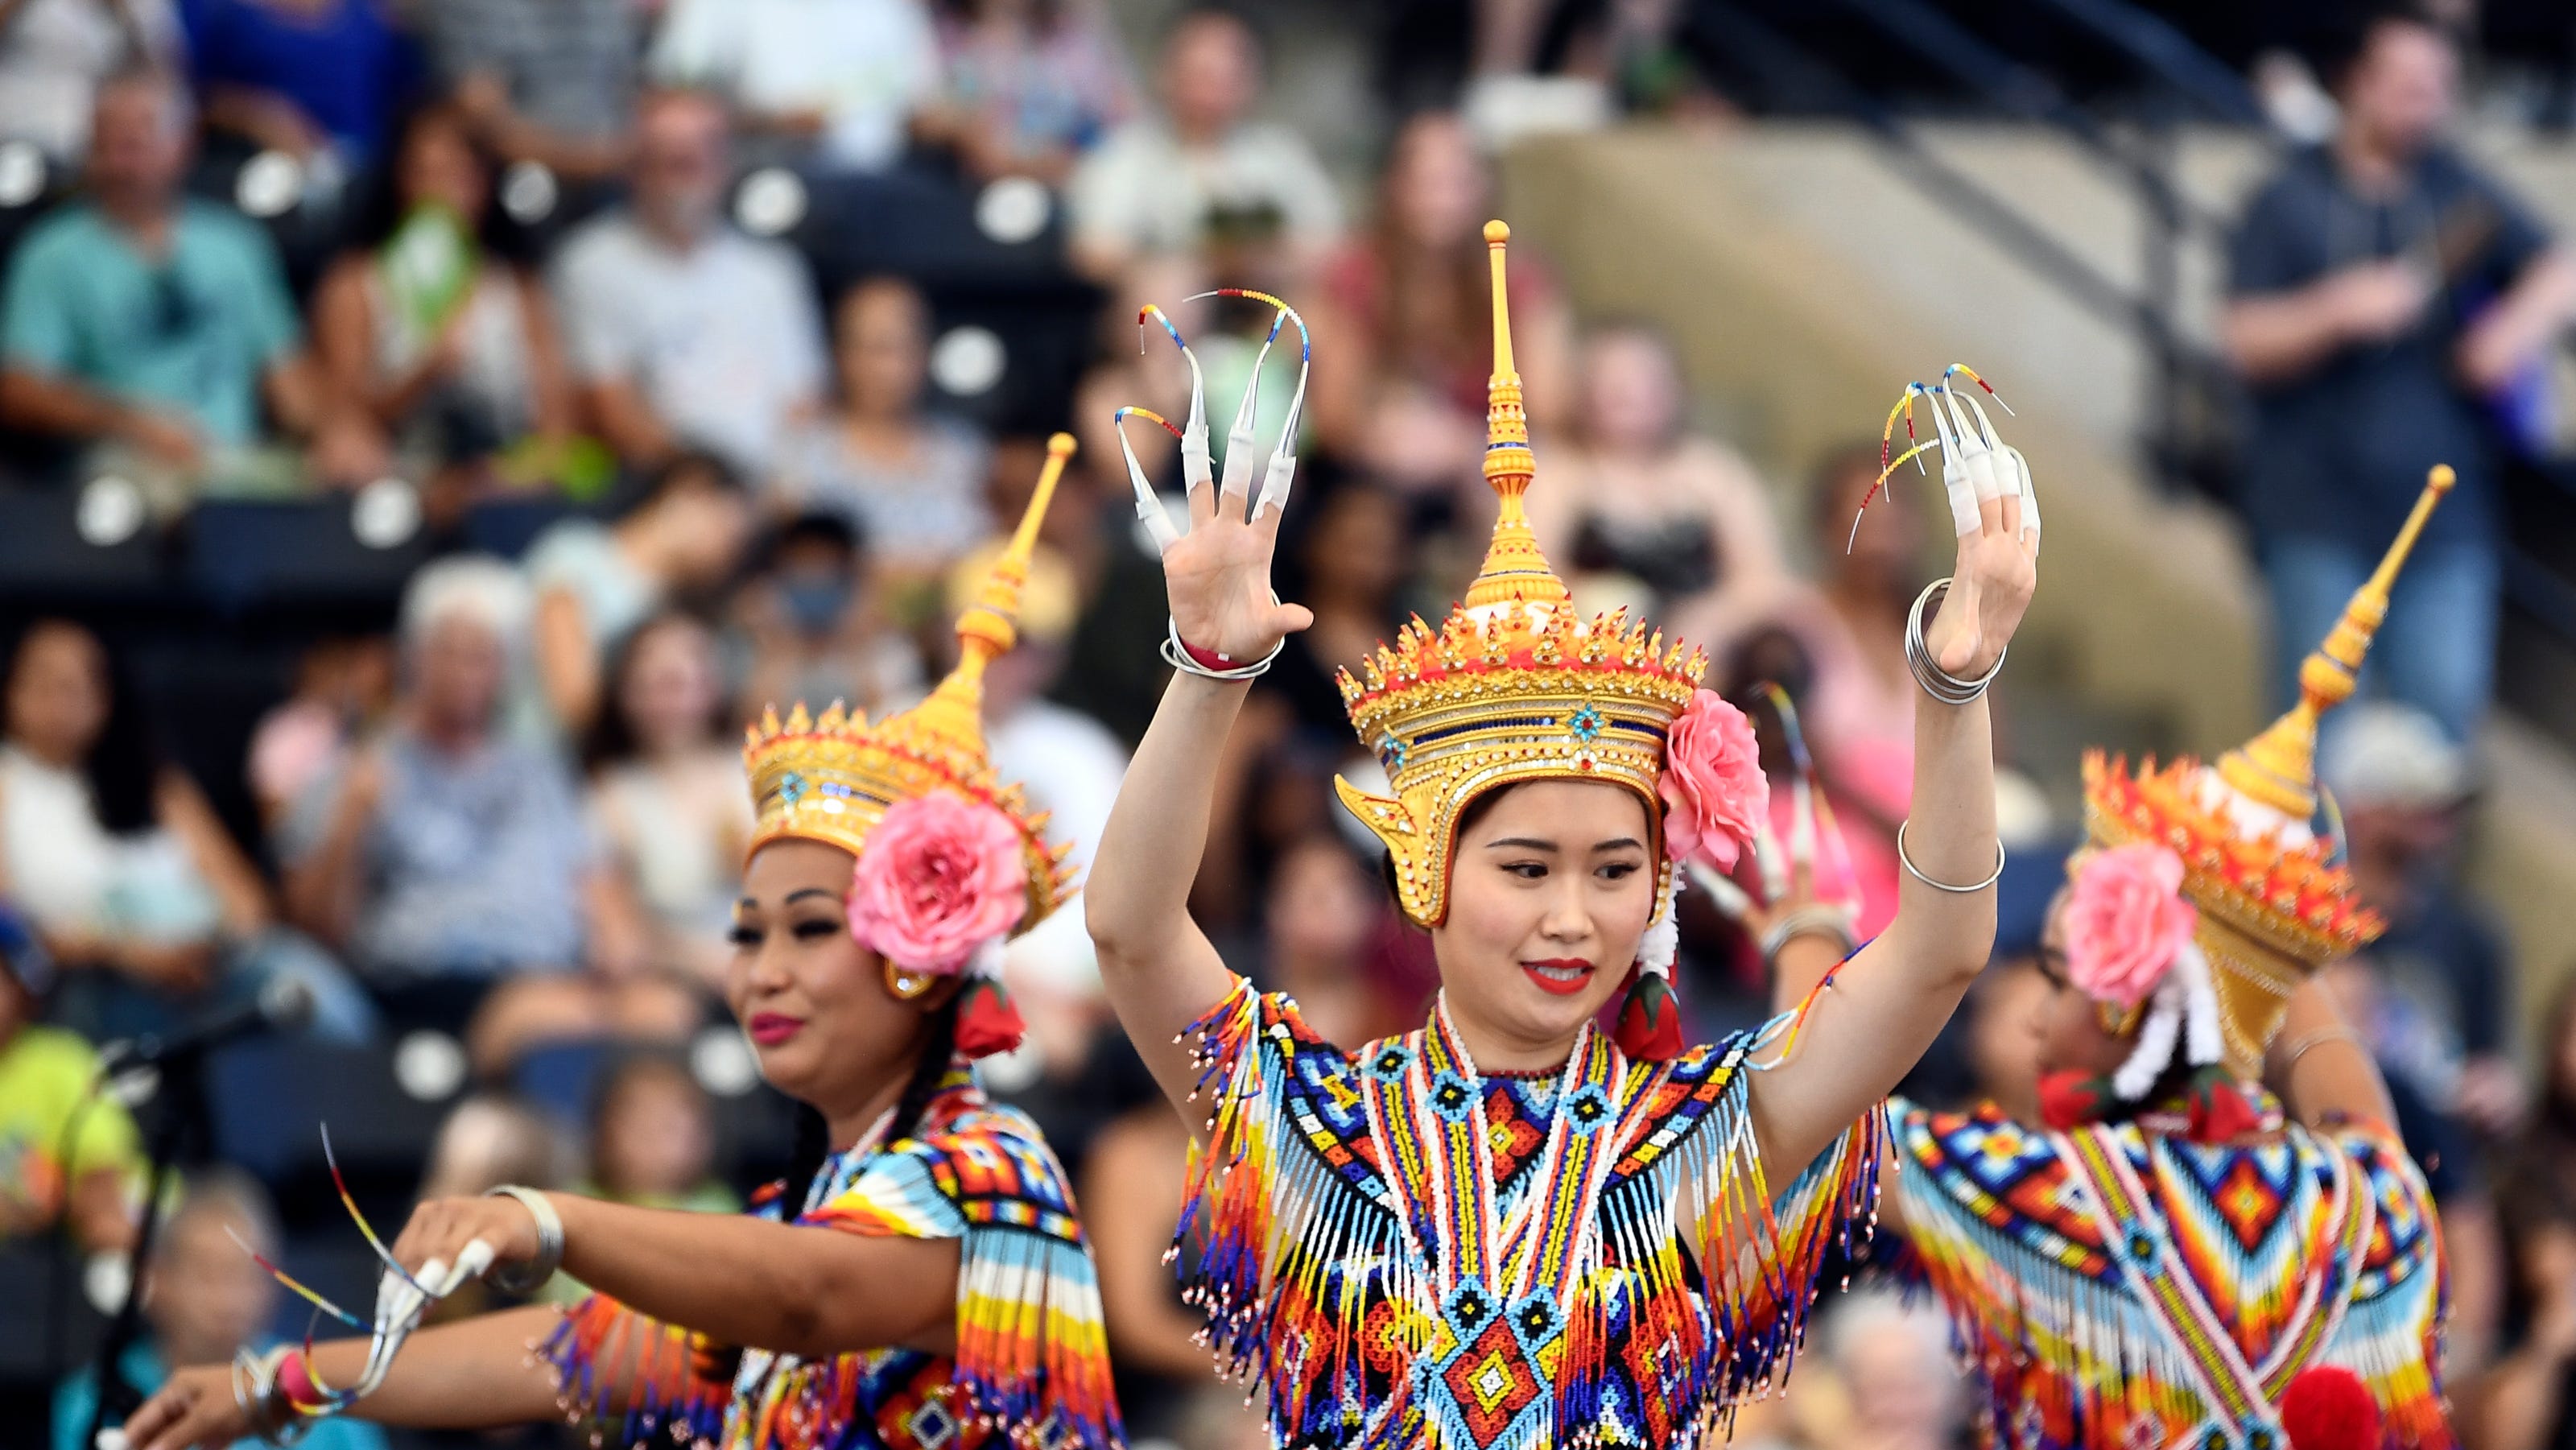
[1890,1000]
[1161,972]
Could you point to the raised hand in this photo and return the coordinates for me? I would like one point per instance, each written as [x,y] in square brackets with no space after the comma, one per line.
[1995,508]
[1217,576]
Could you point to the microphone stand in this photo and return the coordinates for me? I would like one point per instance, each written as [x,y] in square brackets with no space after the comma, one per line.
[178,1103]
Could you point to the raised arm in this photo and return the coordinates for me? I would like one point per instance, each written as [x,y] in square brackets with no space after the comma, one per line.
[1160,970]
[2325,1071]
[1891,999]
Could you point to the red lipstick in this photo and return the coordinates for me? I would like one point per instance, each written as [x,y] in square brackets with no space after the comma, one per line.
[1563,976]
[769,1029]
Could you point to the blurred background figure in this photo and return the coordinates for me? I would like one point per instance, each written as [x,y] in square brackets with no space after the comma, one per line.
[1405,305]
[908,480]
[653,1140]
[830,83]
[1644,504]
[591,584]
[343,688]
[70,1161]
[132,885]
[814,626]
[2445,981]
[204,1300]
[2386,299]
[315,80]
[683,332]
[1027,86]
[55,53]
[548,83]
[666,794]
[1203,176]
[442,349]
[145,323]
[453,861]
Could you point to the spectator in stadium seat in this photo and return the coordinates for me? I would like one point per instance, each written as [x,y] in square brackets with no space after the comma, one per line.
[204,1300]
[666,793]
[142,318]
[1405,308]
[2527,1400]
[1202,175]
[2446,981]
[344,686]
[592,583]
[55,53]
[427,338]
[453,860]
[653,1138]
[683,332]
[832,83]
[302,77]
[2392,308]
[1644,496]
[551,82]
[910,480]
[815,627]
[1029,85]
[135,888]
[69,1157]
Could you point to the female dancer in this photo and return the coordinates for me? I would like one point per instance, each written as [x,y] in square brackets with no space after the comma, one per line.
[919,1280]
[1504,1229]
[2167,1261]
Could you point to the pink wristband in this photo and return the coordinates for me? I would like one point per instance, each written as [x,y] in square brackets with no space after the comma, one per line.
[1207,658]
[295,1380]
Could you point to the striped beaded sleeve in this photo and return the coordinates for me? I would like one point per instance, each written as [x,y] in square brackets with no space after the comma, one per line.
[2391,1334]
[633,1378]
[1032,1351]
[1693,1165]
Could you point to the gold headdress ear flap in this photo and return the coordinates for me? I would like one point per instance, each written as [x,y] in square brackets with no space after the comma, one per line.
[1418,868]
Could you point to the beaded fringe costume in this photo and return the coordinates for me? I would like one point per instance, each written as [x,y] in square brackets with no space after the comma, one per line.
[1031,1366]
[1399,1250]
[2126,1285]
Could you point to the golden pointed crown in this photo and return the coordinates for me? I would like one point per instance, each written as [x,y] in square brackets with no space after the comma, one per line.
[1512,686]
[2274,904]
[832,779]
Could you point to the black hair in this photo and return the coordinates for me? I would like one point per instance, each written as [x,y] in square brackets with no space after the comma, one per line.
[813,1146]
[612,736]
[831,530]
[382,210]
[124,764]
[686,469]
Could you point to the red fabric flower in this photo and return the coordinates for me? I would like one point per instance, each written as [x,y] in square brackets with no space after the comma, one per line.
[1713,787]
[2125,922]
[940,877]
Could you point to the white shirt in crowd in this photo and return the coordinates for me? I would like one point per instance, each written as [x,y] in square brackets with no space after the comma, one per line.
[53,54]
[1142,190]
[721,340]
[862,65]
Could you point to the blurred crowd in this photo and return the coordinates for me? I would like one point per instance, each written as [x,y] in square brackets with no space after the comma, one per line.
[511,823]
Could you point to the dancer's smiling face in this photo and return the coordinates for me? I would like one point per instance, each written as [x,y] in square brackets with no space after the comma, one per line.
[812,1000]
[2068,1026]
[1551,887]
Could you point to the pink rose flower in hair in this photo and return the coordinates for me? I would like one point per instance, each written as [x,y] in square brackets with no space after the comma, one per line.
[2126,921]
[940,877]
[1714,791]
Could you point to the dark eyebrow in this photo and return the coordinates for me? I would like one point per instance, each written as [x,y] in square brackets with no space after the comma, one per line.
[1621,843]
[802,892]
[1524,843]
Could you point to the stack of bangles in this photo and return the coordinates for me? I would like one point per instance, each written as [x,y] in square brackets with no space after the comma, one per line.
[1207,664]
[1937,682]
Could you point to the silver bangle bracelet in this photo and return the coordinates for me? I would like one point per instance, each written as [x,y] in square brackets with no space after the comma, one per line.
[1937,682]
[531,1276]
[1917,872]
[1177,655]
[2319,1038]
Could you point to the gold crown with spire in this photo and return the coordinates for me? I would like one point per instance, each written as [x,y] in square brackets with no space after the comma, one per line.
[832,779]
[2274,904]
[1512,686]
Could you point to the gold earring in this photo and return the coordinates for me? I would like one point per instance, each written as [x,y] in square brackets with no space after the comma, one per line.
[907,985]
